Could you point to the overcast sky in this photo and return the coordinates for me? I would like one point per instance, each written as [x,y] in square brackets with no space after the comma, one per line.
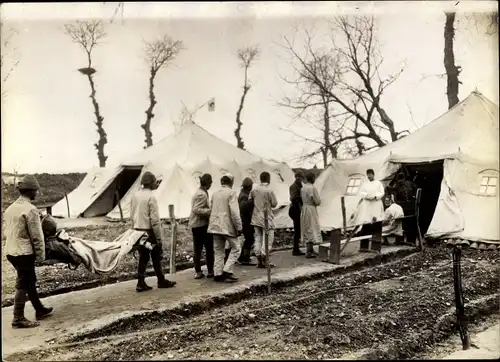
[47,116]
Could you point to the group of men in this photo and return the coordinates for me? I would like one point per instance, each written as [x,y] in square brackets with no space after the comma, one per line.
[219,225]
[394,205]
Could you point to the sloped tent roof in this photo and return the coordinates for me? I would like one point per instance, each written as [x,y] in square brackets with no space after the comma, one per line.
[87,193]
[179,159]
[466,138]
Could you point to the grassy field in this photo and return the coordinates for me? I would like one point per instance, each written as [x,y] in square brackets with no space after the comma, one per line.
[52,188]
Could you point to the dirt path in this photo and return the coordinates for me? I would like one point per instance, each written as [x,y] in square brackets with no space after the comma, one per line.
[390,311]
[78,311]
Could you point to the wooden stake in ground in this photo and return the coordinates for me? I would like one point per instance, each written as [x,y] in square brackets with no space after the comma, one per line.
[173,245]
[459,298]
[417,216]
[67,204]
[344,219]
[266,244]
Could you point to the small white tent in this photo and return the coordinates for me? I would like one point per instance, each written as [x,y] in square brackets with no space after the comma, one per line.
[177,161]
[461,147]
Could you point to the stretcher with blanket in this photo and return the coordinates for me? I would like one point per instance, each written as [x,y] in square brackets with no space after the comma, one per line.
[99,257]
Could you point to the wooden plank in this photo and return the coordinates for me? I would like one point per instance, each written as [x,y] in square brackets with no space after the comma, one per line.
[335,240]
[173,245]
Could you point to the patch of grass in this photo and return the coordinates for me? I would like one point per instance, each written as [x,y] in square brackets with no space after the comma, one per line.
[52,188]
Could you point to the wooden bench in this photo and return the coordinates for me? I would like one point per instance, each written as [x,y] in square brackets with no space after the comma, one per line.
[330,252]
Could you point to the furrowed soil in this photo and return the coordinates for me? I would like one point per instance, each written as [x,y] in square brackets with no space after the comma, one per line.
[391,311]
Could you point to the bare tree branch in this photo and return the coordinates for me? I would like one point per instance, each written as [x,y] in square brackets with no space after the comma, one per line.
[159,54]
[88,34]
[342,86]
[246,56]
[8,49]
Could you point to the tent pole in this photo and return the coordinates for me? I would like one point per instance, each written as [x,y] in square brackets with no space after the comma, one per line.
[459,298]
[119,205]
[67,204]
[173,244]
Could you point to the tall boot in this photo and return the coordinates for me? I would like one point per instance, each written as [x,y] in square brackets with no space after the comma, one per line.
[41,312]
[19,320]
[310,251]
[141,285]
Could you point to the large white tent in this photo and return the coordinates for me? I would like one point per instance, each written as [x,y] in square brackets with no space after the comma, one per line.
[463,143]
[177,161]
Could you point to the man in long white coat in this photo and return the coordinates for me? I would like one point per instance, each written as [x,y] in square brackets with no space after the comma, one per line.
[371,206]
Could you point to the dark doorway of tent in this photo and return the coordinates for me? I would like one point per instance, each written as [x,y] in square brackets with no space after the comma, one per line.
[115,191]
[428,177]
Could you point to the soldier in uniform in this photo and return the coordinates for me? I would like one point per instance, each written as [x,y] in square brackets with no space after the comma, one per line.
[225,225]
[145,216]
[25,246]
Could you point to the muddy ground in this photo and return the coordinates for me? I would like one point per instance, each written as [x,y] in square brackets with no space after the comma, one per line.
[57,278]
[395,310]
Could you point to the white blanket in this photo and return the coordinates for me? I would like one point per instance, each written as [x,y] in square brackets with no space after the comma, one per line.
[102,257]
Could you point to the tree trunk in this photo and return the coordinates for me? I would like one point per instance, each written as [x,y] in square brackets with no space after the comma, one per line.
[149,112]
[237,132]
[452,71]
[99,123]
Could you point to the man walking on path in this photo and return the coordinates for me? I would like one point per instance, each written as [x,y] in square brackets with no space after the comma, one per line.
[294,211]
[225,225]
[246,210]
[25,246]
[198,222]
[145,216]
[264,199]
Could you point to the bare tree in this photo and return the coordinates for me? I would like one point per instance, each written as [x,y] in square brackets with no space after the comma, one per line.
[159,54]
[344,81]
[452,70]
[8,49]
[88,34]
[246,56]
[488,21]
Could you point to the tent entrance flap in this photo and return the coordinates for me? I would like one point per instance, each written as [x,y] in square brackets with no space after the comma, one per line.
[428,177]
[114,192]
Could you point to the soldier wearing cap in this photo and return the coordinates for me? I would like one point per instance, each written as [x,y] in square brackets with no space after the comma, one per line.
[145,216]
[225,225]
[24,247]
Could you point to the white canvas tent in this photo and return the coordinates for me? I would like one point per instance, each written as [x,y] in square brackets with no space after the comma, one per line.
[463,142]
[177,161]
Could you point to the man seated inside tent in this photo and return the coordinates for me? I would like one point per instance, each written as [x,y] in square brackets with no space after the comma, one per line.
[392,227]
